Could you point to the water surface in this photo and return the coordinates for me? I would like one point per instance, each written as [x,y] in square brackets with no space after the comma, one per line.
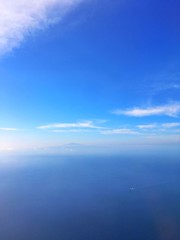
[89,198]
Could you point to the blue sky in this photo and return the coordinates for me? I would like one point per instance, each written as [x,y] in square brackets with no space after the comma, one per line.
[101,74]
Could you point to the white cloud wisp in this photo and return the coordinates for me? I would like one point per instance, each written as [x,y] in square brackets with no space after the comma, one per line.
[171,110]
[171,125]
[18,18]
[9,129]
[119,131]
[85,124]
[147,126]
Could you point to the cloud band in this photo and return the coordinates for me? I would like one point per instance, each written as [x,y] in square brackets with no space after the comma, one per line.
[19,18]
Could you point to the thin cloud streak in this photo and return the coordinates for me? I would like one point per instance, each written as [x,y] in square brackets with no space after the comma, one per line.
[85,124]
[160,127]
[19,18]
[156,126]
[171,125]
[9,129]
[171,110]
[147,126]
[119,131]
[72,131]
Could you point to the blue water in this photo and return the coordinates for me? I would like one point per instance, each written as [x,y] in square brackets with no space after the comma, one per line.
[89,198]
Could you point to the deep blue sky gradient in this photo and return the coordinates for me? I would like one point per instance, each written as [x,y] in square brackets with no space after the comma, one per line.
[103,56]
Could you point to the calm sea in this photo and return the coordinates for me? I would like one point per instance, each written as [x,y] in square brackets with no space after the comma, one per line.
[89,198]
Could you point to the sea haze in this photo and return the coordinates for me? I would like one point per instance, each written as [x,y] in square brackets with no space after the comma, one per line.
[89,198]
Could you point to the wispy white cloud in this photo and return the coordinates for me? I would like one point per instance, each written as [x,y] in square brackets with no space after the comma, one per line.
[171,125]
[119,131]
[159,126]
[18,18]
[171,110]
[71,130]
[84,124]
[147,126]
[9,129]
